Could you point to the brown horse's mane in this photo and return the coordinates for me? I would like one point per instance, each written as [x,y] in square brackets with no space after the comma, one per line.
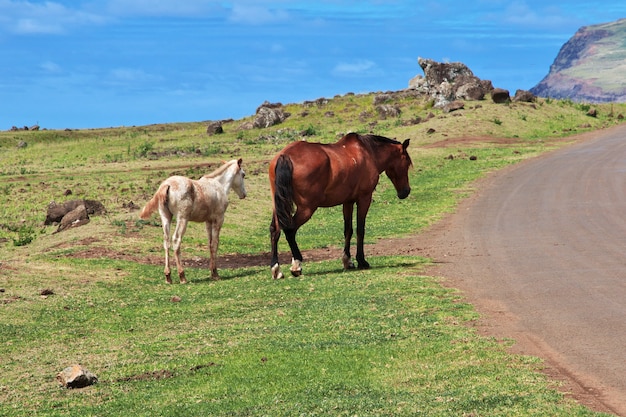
[373,141]
[378,139]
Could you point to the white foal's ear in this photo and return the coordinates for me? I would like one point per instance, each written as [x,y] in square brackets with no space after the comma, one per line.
[239,161]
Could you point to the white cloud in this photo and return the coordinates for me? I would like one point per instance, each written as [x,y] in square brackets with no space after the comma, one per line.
[519,13]
[171,8]
[127,75]
[354,68]
[256,15]
[27,17]
[50,67]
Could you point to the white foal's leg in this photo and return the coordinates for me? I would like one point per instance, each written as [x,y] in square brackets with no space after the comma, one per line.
[166,222]
[296,267]
[179,232]
[213,232]
[347,262]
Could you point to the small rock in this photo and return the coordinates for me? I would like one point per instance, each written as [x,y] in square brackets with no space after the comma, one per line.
[176,299]
[75,376]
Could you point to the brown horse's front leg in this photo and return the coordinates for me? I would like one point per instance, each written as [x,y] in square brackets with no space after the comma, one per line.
[362,208]
[348,209]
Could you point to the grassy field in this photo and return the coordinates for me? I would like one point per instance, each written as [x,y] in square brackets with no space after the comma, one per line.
[387,341]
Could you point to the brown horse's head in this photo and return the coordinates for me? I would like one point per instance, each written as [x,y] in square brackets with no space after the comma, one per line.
[398,170]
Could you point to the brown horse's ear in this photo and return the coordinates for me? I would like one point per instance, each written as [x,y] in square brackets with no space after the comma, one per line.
[239,161]
[405,144]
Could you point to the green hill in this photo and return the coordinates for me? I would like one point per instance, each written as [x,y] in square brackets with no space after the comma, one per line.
[590,66]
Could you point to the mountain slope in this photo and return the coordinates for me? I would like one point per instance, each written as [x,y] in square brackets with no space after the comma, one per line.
[590,66]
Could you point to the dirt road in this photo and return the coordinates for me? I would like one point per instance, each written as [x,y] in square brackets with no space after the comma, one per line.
[540,249]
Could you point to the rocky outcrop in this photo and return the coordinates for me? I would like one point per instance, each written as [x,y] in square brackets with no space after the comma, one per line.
[269,114]
[447,82]
[589,67]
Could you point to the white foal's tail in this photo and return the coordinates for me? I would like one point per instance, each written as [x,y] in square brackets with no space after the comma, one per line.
[151,206]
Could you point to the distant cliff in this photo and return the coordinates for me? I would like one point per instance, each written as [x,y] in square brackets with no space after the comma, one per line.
[590,67]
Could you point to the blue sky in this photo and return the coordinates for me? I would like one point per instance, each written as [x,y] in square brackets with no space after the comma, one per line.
[104,63]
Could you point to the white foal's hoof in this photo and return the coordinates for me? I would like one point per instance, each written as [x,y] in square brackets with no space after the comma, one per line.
[276,274]
[296,267]
[347,262]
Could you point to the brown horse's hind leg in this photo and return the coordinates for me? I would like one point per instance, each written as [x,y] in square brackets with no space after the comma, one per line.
[296,260]
[274,237]
[348,209]
[362,208]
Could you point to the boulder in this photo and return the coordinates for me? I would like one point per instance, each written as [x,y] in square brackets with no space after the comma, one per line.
[75,376]
[453,105]
[56,212]
[269,114]
[214,128]
[500,95]
[74,218]
[524,96]
[388,110]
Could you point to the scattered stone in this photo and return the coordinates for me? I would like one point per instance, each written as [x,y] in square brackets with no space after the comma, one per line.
[473,158]
[75,376]
[500,96]
[269,114]
[592,113]
[214,128]
[175,299]
[56,212]
[430,131]
[74,218]
[453,106]
[22,144]
[130,206]
[388,110]
[524,96]
[46,291]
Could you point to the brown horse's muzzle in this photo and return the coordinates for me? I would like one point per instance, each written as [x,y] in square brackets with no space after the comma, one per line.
[404,193]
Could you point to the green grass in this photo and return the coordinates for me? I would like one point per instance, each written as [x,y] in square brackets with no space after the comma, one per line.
[378,342]
[387,341]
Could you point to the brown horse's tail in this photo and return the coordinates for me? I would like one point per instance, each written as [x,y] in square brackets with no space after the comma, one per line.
[283,192]
[159,198]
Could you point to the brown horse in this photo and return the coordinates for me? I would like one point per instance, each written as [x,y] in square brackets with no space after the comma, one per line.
[311,175]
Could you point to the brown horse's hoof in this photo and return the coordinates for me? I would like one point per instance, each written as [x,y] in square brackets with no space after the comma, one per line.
[364,265]
[276,273]
[168,279]
[296,267]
